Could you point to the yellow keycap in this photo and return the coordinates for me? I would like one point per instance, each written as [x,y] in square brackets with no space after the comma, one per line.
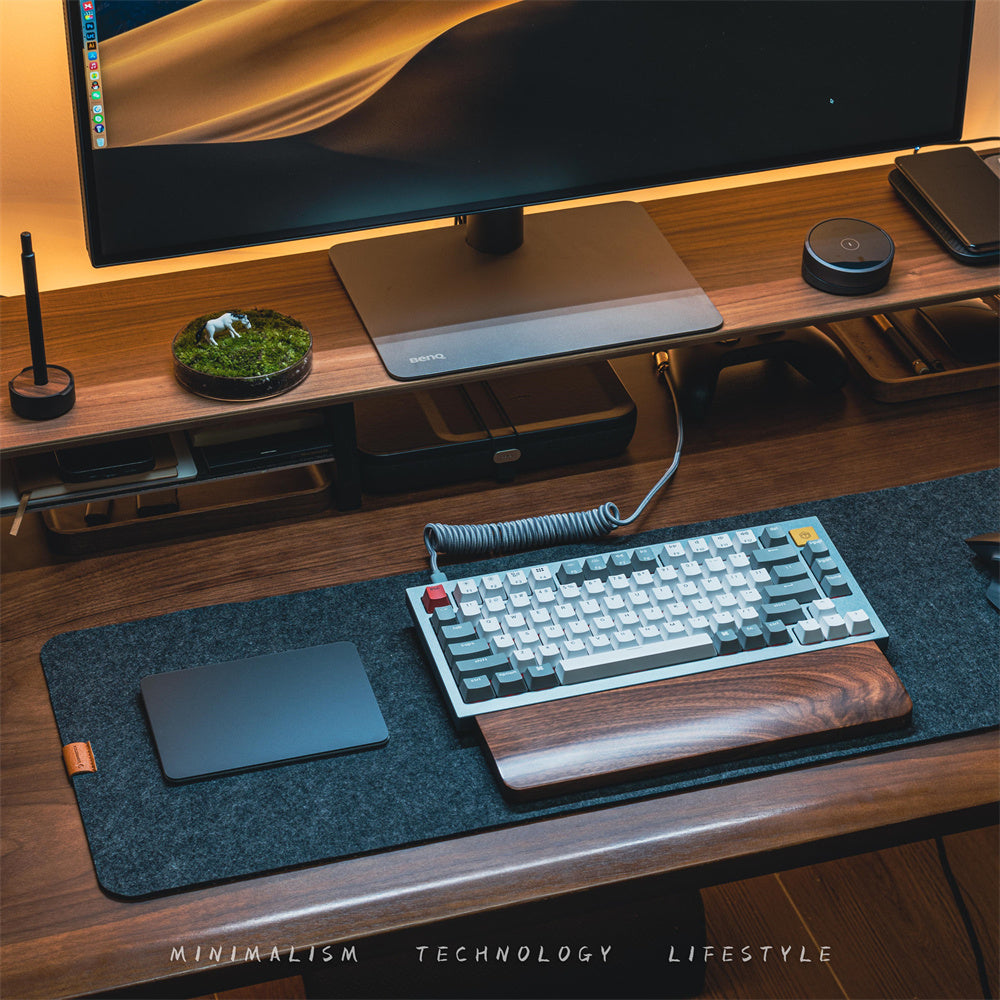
[803,536]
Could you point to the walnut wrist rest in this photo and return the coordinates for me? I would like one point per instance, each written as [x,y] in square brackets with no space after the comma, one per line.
[691,721]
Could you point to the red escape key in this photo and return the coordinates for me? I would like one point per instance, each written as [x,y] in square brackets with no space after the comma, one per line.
[435,596]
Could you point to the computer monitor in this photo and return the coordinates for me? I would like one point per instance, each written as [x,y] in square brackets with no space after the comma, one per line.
[211,124]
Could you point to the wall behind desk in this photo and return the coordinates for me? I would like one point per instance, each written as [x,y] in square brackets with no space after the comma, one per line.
[39,186]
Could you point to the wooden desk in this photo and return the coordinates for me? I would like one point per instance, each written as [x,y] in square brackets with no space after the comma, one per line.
[744,246]
[770,439]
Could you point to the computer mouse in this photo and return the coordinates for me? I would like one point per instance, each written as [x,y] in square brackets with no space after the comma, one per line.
[968,329]
[987,547]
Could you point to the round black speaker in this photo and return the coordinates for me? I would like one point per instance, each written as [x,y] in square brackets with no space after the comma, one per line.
[847,257]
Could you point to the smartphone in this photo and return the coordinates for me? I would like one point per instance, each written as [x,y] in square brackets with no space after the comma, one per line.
[962,190]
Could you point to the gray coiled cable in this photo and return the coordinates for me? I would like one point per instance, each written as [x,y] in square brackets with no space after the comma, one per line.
[498,538]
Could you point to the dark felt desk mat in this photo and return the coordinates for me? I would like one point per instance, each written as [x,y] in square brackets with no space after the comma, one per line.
[905,546]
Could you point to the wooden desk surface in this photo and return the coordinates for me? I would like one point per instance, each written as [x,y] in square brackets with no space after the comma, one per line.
[743,245]
[770,439]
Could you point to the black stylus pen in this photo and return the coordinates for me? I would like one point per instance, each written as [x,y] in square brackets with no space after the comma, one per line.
[34,310]
[902,345]
[920,346]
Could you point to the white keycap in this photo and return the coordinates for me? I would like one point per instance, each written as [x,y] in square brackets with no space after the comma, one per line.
[495,606]
[537,617]
[503,644]
[652,616]
[470,611]
[519,601]
[645,657]
[822,606]
[548,653]
[834,627]
[545,597]
[489,627]
[674,550]
[808,631]
[624,639]
[627,620]
[722,544]
[522,659]
[858,623]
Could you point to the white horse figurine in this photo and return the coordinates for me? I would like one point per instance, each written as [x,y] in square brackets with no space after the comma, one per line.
[221,324]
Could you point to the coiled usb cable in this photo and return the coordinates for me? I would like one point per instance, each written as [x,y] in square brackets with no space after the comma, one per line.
[471,540]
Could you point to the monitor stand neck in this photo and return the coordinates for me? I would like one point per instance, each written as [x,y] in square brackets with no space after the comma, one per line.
[497,232]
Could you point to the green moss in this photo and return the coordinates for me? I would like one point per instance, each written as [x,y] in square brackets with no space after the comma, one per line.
[274,342]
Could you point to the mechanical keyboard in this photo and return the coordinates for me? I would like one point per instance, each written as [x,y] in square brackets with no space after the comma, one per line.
[617,619]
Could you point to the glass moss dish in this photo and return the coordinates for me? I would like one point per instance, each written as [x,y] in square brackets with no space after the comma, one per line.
[247,354]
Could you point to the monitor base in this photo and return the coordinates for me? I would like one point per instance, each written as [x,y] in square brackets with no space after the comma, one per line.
[586,279]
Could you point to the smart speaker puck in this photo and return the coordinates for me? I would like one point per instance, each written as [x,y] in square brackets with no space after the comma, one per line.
[847,257]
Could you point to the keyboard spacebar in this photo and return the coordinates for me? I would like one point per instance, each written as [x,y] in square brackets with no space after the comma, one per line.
[666,653]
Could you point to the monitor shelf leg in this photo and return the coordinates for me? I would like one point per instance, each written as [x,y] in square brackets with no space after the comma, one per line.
[695,368]
[343,428]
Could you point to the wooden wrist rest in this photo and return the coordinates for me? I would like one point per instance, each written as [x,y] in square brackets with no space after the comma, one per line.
[686,722]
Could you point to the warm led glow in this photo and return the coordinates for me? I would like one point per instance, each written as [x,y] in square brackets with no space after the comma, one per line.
[39,185]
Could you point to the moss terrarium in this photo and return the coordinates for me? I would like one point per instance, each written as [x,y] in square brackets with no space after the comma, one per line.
[242,354]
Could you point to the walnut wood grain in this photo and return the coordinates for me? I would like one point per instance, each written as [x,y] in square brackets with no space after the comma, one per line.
[743,245]
[93,943]
[770,440]
[692,721]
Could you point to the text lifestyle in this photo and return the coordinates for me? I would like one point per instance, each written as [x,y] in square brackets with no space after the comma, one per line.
[749,953]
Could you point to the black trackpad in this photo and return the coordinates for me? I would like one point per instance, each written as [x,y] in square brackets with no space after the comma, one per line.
[273,709]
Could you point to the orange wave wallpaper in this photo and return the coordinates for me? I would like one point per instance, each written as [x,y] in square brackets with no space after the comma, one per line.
[312,63]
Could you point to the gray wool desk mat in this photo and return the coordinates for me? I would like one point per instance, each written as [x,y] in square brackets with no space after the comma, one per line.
[905,546]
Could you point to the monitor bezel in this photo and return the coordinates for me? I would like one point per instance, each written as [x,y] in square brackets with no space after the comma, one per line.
[88,182]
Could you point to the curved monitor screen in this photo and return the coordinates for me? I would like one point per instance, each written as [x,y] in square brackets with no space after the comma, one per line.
[220,123]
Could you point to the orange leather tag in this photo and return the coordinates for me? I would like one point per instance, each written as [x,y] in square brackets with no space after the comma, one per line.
[79,758]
